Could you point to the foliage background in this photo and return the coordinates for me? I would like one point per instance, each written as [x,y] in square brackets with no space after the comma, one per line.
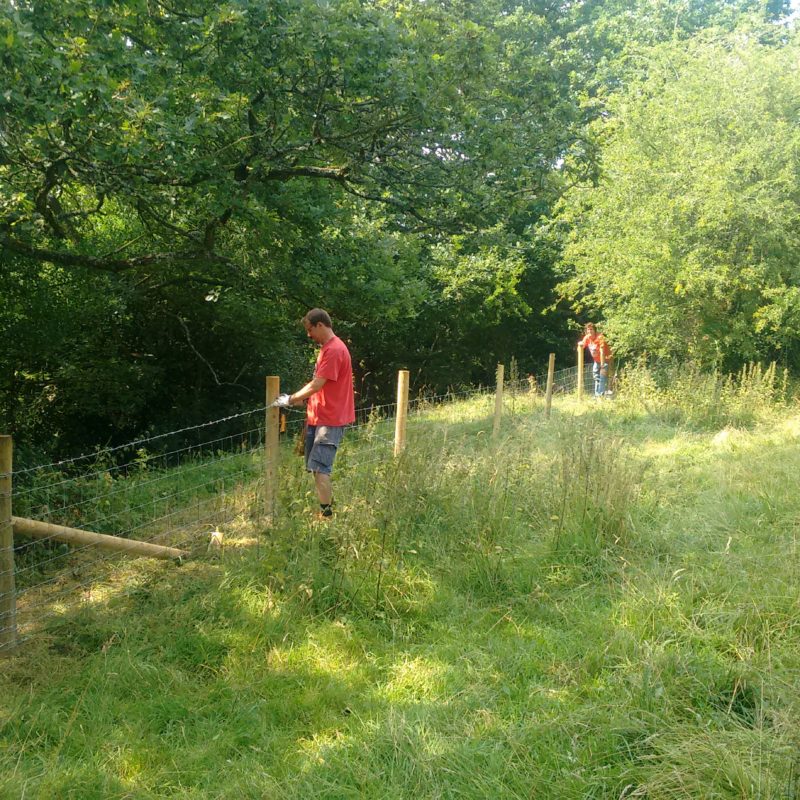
[180,182]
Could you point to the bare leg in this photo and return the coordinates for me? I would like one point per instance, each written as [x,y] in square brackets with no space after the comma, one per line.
[324,487]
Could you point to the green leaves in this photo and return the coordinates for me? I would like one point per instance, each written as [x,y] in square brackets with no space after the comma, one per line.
[182,113]
[689,245]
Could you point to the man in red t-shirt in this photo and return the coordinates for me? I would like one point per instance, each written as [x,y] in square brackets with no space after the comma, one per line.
[331,405]
[601,354]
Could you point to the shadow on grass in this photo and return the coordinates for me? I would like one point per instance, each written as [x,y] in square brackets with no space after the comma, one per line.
[485,664]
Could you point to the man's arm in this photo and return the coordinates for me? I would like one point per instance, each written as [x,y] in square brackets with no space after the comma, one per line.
[605,352]
[312,387]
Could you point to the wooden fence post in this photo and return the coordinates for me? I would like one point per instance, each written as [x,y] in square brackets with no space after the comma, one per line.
[551,370]
[498,400]
[402,412]
[8,594]
[580,372]
[271,447]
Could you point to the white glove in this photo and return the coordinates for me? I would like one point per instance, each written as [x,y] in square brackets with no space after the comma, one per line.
[281,401]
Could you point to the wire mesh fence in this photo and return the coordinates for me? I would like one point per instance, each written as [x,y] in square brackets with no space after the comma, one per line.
[175,489]
[169,490]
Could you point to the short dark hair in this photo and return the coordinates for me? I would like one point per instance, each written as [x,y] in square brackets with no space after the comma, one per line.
[317,315]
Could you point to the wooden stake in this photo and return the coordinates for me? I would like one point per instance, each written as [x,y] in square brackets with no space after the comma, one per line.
[271,446]
[548,398]
[8,594]
[402,412]
[34,529]
[498,400]
[580,373]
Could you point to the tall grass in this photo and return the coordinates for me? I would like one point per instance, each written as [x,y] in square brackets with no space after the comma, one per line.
[602,605]
[145,499]
[702,399]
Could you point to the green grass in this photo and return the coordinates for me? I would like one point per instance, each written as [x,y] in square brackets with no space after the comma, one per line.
[145,501]
[602,605]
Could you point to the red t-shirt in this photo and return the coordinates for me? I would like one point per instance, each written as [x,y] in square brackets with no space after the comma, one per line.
[333,404]
[596,344]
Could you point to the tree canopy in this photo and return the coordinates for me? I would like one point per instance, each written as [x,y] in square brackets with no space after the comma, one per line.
[260,159]
[180,181]
[202,126]
[689,245]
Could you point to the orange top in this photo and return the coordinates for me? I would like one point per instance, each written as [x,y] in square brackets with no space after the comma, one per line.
[597,345]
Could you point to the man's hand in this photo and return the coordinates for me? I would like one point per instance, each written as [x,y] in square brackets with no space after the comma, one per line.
[281,401]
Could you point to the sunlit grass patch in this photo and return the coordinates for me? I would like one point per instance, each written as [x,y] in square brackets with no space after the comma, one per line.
[553,612]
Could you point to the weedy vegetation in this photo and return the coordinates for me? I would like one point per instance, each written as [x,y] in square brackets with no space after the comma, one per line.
[599,605]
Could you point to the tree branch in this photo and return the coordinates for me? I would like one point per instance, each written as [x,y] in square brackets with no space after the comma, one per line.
[206,361]
[114,265]
[288,173]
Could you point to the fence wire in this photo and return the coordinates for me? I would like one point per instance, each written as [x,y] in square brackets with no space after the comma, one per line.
[171,489]
[174,489]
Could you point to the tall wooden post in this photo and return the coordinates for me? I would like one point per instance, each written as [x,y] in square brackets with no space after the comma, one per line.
[271,446]
[402,412]
[580,373]
[498,400]
[8,594]
[551,371]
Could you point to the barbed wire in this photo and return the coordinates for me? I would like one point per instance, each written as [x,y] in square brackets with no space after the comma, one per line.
[213,501]
[105,559]
[97,524]
[148,461]
[217,502]
[180,515]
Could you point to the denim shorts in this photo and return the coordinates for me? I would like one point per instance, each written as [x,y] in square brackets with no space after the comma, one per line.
[321,444]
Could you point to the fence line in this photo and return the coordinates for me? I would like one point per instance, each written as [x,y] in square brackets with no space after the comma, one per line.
[136,442]
[178,496]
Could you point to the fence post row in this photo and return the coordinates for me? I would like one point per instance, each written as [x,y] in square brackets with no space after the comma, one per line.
[271,447]
[551,371]
[8,597]
[498,400]
[402,412]
[8,611]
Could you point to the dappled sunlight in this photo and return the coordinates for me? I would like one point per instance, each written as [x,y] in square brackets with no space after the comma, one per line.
[317,750]
[574,584]
[790,426]
[696,447]
[477,608]
[415,679]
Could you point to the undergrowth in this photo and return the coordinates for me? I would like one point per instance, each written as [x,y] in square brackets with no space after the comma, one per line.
[685,394]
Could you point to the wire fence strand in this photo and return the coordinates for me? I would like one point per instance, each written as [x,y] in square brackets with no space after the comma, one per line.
[163,489]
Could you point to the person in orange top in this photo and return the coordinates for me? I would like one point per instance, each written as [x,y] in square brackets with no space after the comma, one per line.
[601,355]
[331,404]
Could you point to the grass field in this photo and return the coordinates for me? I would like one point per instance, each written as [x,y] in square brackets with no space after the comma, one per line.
[602,605]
